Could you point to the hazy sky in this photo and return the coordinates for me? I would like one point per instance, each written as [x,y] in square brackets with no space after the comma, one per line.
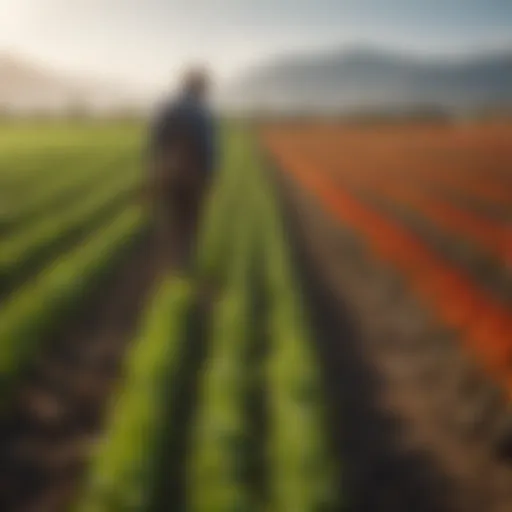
[146,41]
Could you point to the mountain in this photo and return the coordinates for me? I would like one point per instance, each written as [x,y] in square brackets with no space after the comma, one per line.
[27,87]
[367,78]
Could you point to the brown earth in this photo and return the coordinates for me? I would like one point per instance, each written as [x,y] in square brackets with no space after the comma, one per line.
[415,424]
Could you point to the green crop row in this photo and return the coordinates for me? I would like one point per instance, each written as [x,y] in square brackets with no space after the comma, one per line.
[48,196]
[301,475]
[302,470]
[26,248]
[220,458]
[122,475]
[37,309]
[123,470]
[216,236]
[37,136]
[256,304]
[20,169]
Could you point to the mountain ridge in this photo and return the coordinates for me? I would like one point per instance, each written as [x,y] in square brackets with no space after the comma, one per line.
[375,78]
[362,77]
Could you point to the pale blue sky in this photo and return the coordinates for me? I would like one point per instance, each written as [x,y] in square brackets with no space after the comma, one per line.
[145,41]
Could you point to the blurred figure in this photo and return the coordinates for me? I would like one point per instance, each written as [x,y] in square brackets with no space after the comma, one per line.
[182,159]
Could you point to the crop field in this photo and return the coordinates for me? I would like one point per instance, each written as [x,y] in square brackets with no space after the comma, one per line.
[411,227]
[125,388]
[343,342]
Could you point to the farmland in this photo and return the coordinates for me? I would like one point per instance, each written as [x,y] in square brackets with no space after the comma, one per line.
[408,227]
[343,341]
[127,388]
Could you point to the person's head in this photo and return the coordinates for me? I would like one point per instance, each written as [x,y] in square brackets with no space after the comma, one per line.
[196,83]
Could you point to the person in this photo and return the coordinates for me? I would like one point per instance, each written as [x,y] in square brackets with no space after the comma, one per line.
[182,160]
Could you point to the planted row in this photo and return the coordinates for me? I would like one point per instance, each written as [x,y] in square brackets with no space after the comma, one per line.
[123,472]
[26,248]
[259,307]
[47,196]
[258,439]
[481,320]
[302,472]
[221,457]
[38,309]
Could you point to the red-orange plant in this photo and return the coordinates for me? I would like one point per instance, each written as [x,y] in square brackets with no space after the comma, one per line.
[483,322]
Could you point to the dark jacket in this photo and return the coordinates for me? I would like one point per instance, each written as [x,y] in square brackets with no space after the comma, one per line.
[190,122]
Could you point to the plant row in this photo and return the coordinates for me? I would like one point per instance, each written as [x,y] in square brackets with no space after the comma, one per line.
[34,245]
[481,320]
[47,196]
[39,308]
[258,437]
[123,471]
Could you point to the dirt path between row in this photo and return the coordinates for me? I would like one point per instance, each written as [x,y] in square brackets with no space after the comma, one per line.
[399,421]
[60,406]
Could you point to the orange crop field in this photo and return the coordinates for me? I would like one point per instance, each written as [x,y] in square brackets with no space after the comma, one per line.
[416,215]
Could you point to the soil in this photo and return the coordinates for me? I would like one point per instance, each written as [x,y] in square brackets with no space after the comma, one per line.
[60,404]
[414,422]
